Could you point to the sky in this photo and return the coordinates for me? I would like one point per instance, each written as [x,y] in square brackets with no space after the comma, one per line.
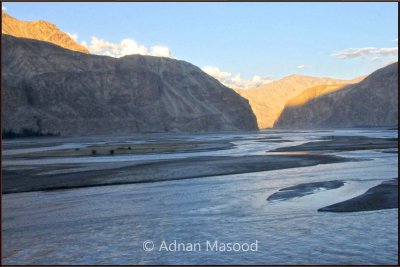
[244,44]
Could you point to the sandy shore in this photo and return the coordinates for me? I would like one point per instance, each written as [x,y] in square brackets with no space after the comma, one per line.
[344,143]
[127,148]
[59,177]
[301,190]
[382,196]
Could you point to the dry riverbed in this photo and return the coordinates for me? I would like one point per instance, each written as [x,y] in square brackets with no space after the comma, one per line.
[382,196]
[344,143]
[75,175]
[129,148]
[58,176]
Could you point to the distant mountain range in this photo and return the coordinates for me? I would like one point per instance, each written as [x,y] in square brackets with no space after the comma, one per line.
[371,102]
[50,84]
[39,30]
[268,101]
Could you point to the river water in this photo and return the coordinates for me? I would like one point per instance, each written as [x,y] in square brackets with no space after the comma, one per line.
[109,224]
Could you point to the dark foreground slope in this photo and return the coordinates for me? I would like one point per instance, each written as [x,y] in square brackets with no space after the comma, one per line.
[48,89]
[372,102]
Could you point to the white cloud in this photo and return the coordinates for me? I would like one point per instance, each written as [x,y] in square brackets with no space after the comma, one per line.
[3,8]
[125,47]
[222,76]
[255,81]
[367,52]
[74,36]
[396,40]
[300,66]
[234,80]
[160,51]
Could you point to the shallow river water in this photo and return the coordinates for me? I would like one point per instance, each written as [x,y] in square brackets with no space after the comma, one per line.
[109,224]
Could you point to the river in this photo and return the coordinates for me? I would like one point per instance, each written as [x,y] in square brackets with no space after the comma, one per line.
[109,224]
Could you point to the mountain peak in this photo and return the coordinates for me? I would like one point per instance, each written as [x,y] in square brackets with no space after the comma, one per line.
[268,101]
[370,101]
[39,30]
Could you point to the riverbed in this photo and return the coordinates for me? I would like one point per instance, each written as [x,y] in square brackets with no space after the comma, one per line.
[108,223]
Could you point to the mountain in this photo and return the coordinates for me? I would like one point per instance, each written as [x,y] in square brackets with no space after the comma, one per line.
[314,92]
[49,89]
[268,101]
[38,30]
[371,102]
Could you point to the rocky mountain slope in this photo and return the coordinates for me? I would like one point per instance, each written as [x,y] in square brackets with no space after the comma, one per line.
[47,88]
[38,30]
[371,102]
[268,101]
[313,92]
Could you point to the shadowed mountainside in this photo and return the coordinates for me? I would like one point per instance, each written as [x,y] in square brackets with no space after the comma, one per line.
[313,92]
[50,89]
[371,102]
[39,30]
[268,101]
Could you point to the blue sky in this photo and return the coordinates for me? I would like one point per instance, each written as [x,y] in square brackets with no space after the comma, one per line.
[271,40]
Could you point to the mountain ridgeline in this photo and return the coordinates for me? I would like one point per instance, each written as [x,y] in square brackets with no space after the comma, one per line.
[373,102]
[51,90]
[51,85]
[39,30]
[268,101]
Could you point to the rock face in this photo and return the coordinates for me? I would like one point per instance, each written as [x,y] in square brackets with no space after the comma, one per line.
[50,89]
[371,102]
[268,101]
[39,30]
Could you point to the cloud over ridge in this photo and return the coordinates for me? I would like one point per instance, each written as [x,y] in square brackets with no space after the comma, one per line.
[234,80]
[127,46]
